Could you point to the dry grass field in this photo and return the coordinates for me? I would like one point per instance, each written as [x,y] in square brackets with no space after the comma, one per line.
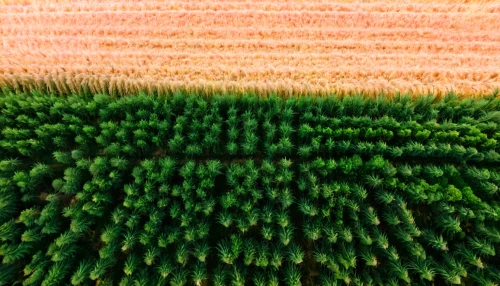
[285,47]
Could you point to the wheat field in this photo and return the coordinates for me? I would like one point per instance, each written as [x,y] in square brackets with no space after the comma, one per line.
[284,47]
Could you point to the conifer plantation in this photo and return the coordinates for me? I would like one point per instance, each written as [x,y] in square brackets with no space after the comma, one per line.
[249,190]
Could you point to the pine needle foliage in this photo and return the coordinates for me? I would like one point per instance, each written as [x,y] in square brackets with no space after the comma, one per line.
[240,190]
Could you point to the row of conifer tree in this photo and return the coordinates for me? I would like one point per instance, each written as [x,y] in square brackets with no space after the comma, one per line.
[228,190]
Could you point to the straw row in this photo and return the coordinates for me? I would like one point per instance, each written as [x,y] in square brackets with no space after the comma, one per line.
[287,47]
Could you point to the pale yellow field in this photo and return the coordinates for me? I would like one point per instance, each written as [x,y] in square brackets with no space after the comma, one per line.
[288,47]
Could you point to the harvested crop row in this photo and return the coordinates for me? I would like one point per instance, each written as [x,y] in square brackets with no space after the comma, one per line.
[284,47]
[489,6]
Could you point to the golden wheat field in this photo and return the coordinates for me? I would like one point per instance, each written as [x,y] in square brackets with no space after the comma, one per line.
[285,47]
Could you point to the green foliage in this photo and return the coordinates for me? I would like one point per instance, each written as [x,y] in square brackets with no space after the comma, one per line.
[39,171]
[180,190]
[8,273]
[81,273]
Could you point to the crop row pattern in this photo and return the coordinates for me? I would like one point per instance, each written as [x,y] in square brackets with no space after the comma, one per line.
[186,190]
